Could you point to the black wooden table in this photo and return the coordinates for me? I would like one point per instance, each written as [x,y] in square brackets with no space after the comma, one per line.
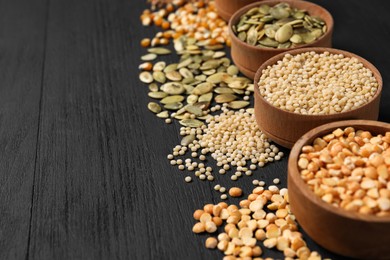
[83,169]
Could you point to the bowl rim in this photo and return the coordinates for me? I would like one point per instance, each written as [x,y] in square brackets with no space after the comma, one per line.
[239,12]
[273,60]
[293,171]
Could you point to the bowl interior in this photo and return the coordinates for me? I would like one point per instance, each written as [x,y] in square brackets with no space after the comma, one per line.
[336,116]
[311,8]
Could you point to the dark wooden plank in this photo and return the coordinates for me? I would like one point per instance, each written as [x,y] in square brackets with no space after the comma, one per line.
[103,188]
[22,35]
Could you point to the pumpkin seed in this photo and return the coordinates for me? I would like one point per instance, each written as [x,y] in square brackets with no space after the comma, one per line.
[296,38]
[154,107]
[202,105]
[186,73]
[194,110]
[217,78]
[238,104]
[188,89]
[173,75]
[159,76]
[202,88]
[284,33]
[232,70]
[184,63]
[170,67]
[218,54]
[191,99]
[191,123]
[159,51]
[149,57]
[173,106]
[225,98]
[153,87]
[157,94]
[159,66]
[223,90]
[172,99]
[252,36]
[186,140]
[146,77]
[163,114]
[173,88]
[206,97]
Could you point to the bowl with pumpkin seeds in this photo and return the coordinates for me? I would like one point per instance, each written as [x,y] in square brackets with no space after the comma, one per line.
[264,29]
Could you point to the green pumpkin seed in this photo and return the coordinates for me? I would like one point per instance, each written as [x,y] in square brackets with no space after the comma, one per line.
[202,88]
[238,104]
[219,54]
[153,87]
[154,107]
[172,99]
[149,57]
[146,77]
[188,139]
[188,88]
[209,72]
[173,106]
[159,76]
[163,114]
[191,99]
[296,38]
[173,88]
[157,95]
[184,63]
[232,70]
[159,51]
[217,78]
[238,84]
[186,73]
[223,90]
[159,66]
[191,123]
[252,36]
[225,98]
[206,97]
[284,33]
[197,111]
[173,75]
[202,105]
[170,67]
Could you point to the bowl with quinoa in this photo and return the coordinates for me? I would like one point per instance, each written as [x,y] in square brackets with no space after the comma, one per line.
[339,187]
[264,29]
[304,88]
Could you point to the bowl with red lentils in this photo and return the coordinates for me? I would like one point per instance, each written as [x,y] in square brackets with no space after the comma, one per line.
[339,187]
[300,89]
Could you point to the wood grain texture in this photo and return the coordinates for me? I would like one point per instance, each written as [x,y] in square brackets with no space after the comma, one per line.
[103,188]
[22,34]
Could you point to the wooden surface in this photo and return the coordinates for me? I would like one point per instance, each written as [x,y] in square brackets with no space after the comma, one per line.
[83,169]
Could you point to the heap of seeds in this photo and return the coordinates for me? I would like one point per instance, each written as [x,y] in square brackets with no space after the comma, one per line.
[265,216]
[279,26]
[202,77]
[349,169]
[232,138]
[195,19]
[317,83]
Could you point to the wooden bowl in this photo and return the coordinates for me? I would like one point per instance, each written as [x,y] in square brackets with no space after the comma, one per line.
[340,231]
[226,8]
[285,127]
[249,58]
